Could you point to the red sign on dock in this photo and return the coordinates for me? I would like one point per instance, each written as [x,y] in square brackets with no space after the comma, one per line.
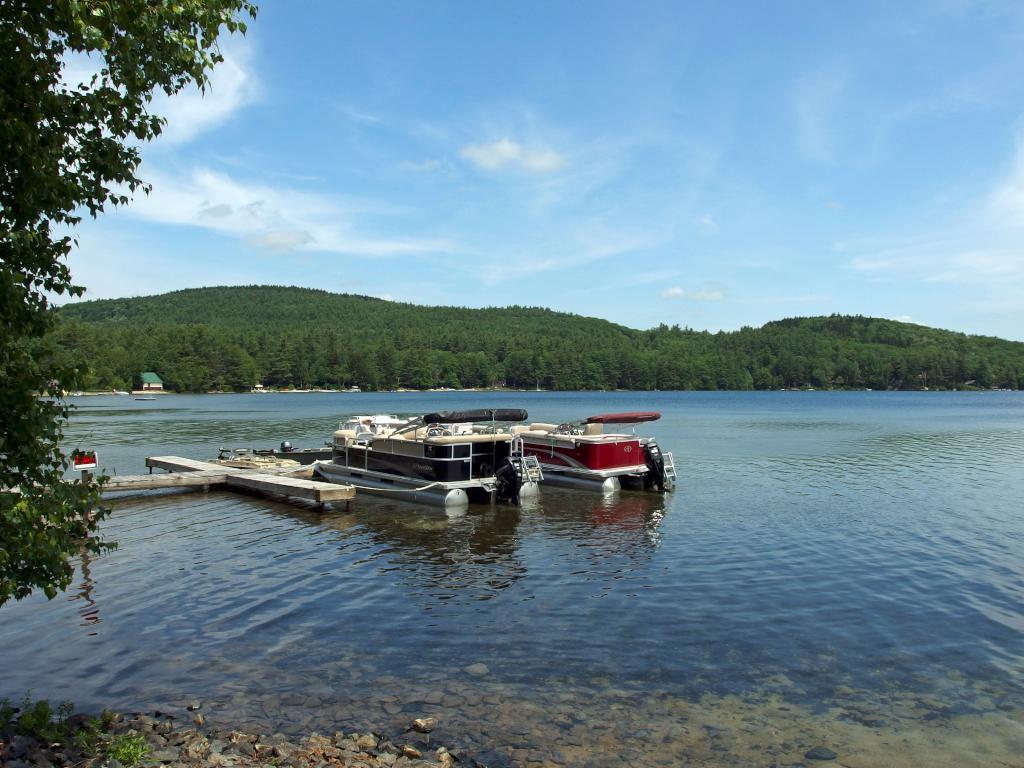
[83,460]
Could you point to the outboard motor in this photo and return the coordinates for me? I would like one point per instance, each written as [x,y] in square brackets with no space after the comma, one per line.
[655,461]
[286,447]
[509,482]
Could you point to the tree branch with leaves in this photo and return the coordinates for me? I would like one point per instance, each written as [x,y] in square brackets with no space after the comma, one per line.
[67,149]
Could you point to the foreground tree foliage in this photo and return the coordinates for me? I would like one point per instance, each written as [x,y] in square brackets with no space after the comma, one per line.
[231,338]
[67,148]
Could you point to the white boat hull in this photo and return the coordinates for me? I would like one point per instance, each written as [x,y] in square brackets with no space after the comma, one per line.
[558,478]
[438,494]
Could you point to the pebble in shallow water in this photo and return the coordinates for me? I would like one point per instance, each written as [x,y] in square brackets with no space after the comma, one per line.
[820,753]
[423,724]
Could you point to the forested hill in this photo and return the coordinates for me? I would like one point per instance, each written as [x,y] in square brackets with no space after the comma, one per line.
[232,338]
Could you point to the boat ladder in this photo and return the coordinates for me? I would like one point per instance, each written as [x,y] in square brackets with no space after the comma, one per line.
[527,465]
[528,468]
[670,471]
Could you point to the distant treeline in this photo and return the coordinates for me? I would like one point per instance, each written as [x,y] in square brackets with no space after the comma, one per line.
[233,338]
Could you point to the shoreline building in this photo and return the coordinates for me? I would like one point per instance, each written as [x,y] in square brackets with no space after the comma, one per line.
[151,382]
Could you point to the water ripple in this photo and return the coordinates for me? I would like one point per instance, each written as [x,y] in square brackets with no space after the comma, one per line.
[857,559]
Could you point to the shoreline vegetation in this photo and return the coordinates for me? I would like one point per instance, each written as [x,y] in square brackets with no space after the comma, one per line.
[98,393]
[243,338]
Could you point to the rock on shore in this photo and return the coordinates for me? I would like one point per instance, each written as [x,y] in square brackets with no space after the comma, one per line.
[173,745]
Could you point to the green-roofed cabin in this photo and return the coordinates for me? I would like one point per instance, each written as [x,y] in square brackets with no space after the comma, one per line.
[151,382]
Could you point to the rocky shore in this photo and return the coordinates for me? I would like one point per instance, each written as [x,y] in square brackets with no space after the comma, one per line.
[163,740]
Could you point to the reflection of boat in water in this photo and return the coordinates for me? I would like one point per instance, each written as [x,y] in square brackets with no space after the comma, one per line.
[582,455]
[447,459]
[146,397]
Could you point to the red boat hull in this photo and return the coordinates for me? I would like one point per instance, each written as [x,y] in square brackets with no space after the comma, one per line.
[603,457]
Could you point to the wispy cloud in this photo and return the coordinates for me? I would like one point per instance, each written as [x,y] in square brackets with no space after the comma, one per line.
[706,223]
[358,115]
[192,112]
[508,154]
[815,101]
[980,267]
[270,217]
[703,294]
[78,69]
[1006,203]
[591,242]
[943,261]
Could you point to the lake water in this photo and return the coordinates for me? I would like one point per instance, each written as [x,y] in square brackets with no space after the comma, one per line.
[836,569]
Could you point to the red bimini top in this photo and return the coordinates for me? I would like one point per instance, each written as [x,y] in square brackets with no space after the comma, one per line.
[631,417]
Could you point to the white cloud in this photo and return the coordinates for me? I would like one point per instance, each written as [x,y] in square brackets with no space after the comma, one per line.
[944,261]
[280,240]
[274,218]
[704,294]
[192,112]
[707,224]
[506,153]
[79,69]
[358,115]
[979,267]
[1006,202]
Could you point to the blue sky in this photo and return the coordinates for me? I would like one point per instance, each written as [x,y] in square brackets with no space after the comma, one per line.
[644,162]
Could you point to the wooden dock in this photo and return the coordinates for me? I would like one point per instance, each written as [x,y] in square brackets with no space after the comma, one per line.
[292,482]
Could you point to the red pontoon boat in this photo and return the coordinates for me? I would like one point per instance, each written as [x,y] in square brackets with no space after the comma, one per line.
[582,455]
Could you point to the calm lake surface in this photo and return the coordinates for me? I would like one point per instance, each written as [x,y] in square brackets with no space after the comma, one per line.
[836,569]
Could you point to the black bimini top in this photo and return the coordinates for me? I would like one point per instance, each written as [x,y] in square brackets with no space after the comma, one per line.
[480,414]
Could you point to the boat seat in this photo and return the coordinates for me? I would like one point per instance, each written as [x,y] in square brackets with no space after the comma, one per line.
[541,426]
[518,429]
[548,436]
[593,429]
[500,437]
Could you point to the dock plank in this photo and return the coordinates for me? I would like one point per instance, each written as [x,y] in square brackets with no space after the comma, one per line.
[179,464]
[294,482]
[170,480]
[290,486]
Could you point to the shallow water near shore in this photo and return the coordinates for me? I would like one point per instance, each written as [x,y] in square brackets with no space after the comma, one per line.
[835,569]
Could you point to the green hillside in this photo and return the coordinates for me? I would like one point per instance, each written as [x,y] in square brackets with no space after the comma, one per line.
[231,338]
